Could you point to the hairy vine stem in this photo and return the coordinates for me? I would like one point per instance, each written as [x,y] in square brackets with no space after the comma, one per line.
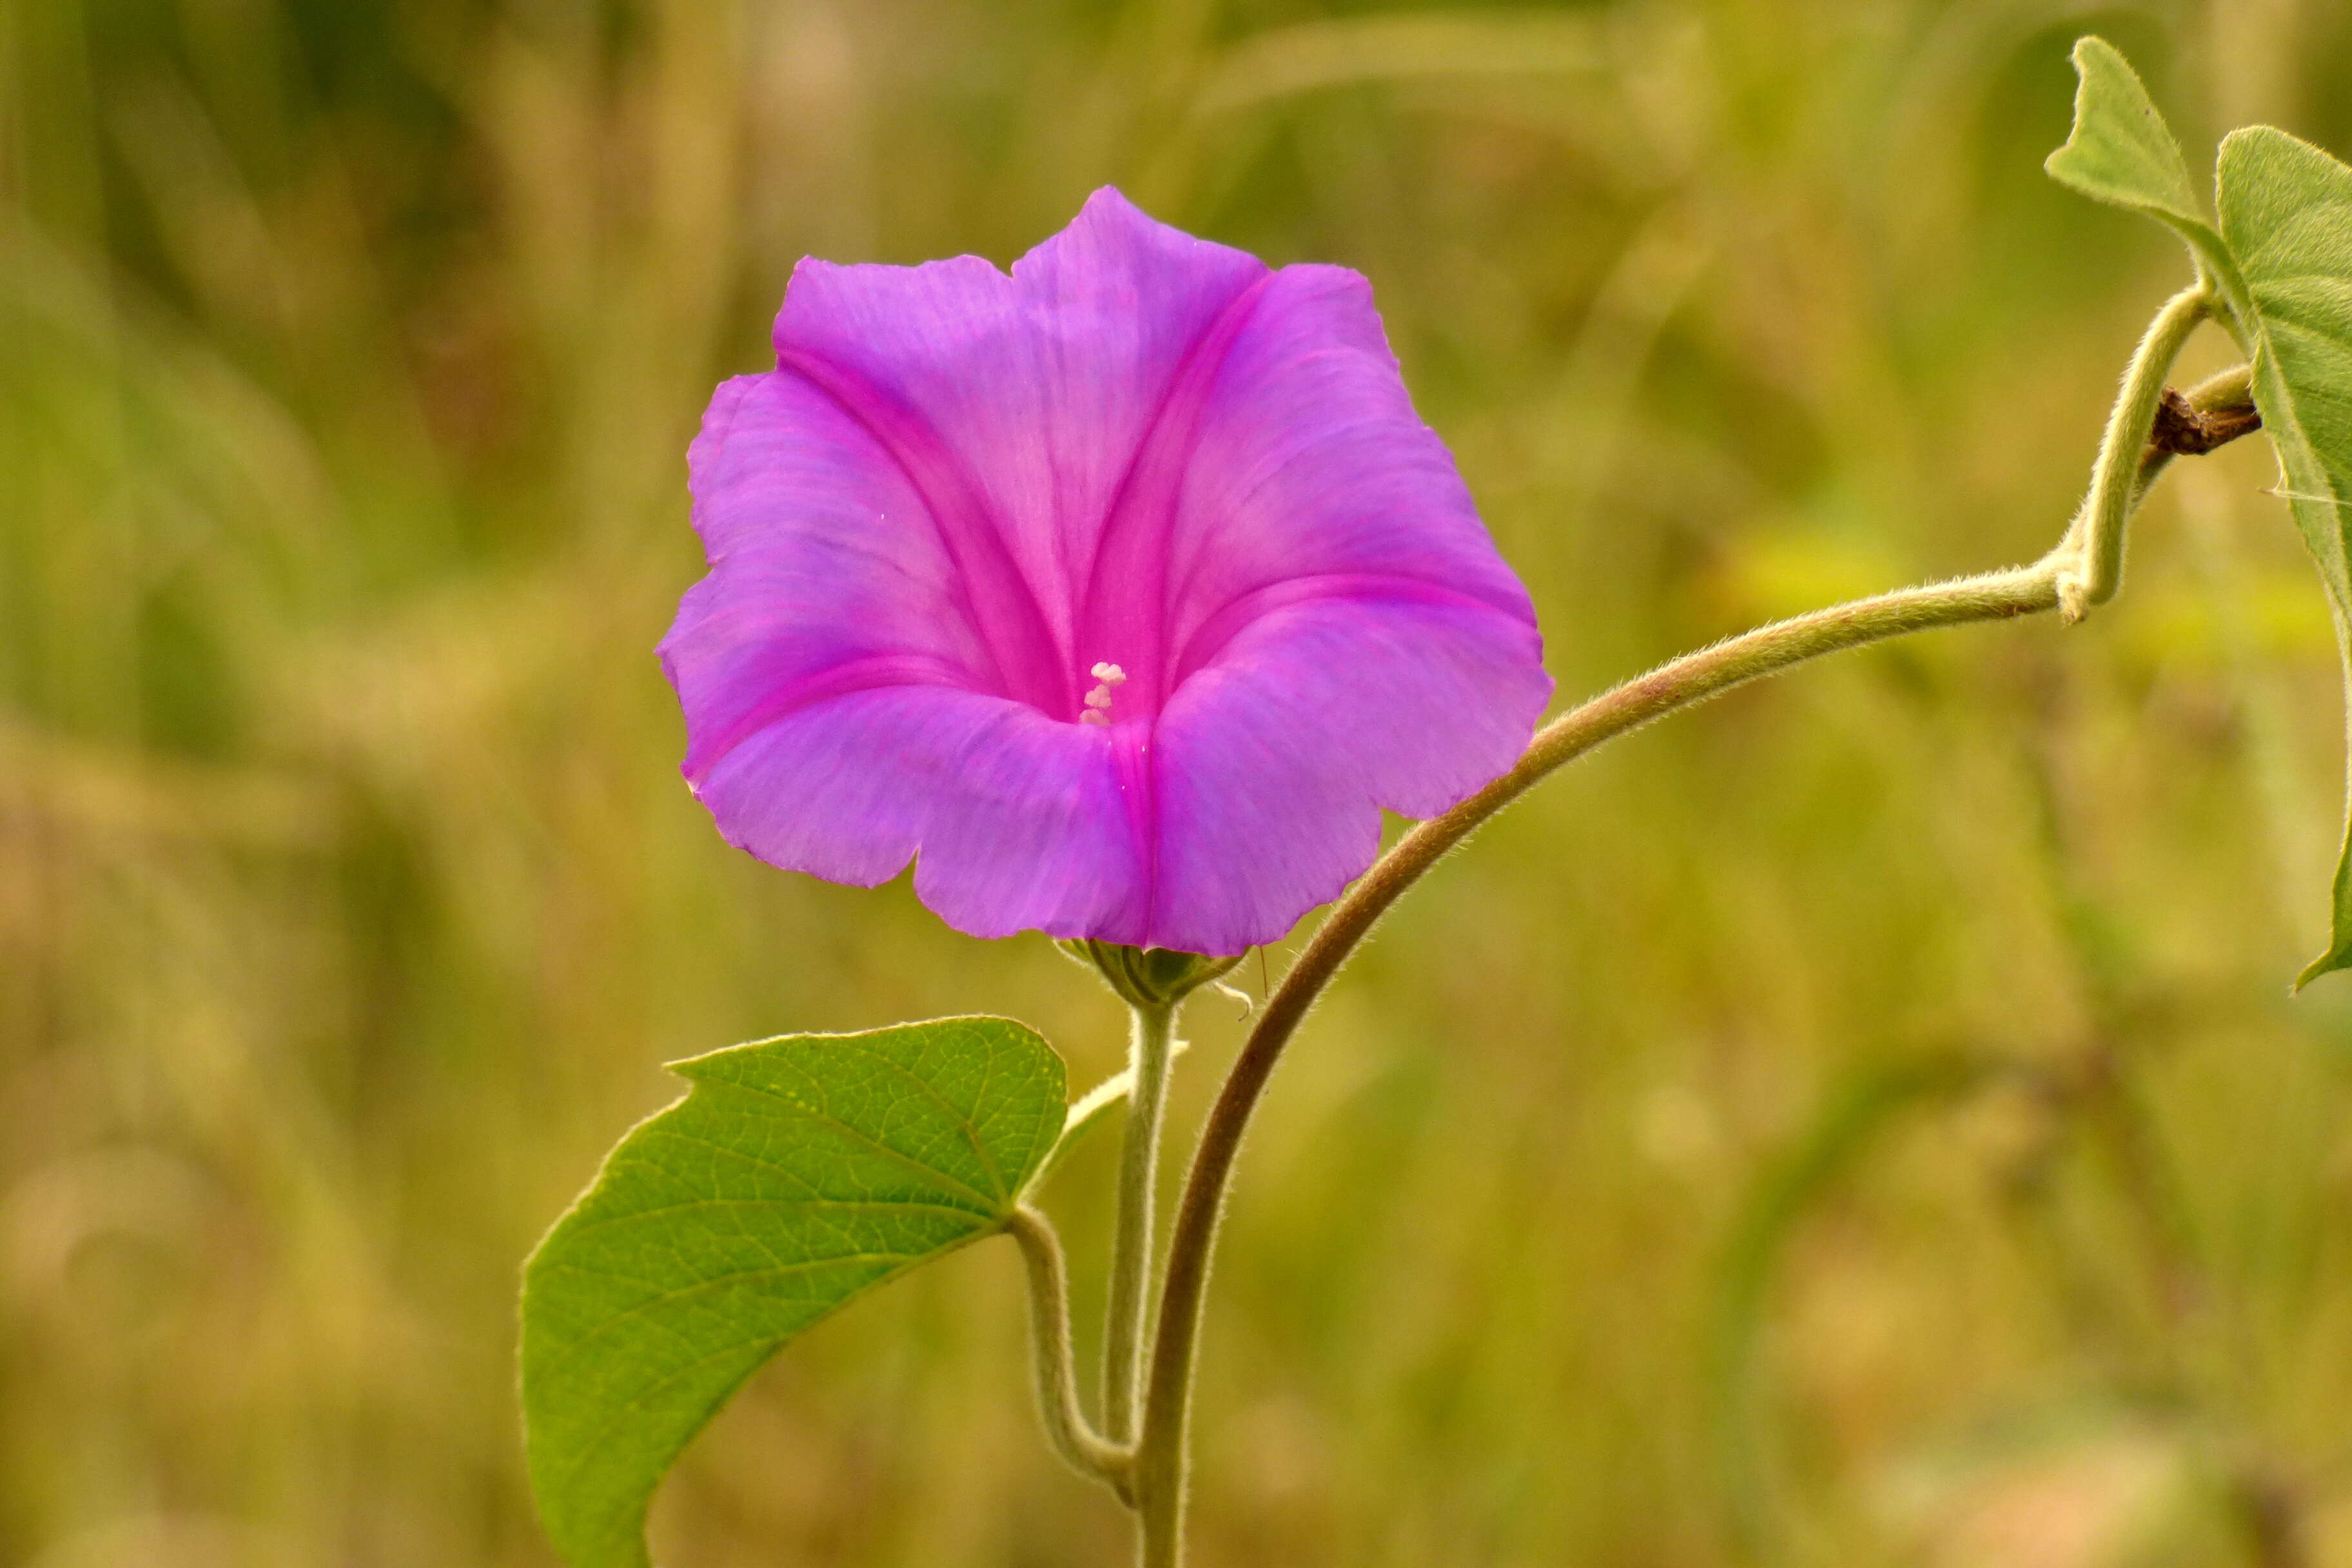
[1051,1363]
[1150,1047]
[2097,534]
[2082,571]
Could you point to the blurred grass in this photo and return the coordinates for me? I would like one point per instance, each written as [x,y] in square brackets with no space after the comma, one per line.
[349,898]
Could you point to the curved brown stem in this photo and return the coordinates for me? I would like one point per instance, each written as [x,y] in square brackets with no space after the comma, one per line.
[2081,572]
[1160,1458]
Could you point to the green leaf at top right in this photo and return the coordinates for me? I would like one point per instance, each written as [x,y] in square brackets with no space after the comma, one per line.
[2287,218]
[2121,151]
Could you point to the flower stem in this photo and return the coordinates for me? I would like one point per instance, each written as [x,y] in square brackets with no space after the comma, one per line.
[1056,1376]
[1149,1050]
[2082,571]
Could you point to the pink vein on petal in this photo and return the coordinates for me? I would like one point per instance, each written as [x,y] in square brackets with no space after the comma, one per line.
[1033,668]
[844,679]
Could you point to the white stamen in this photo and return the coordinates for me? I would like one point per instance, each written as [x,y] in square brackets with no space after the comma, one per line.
[1097,710]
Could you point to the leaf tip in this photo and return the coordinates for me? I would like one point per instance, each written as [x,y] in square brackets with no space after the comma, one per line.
[2118,150]
[2328,963]
[2090,47]
[2090,52]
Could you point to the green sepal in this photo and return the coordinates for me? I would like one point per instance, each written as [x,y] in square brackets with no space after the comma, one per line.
[1149,977]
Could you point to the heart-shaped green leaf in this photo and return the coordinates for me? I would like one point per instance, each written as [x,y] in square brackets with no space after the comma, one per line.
[2286,214]
[2121,151]
[797,1172]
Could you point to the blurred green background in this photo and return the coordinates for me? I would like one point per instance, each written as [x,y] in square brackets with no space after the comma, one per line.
[1864,1121]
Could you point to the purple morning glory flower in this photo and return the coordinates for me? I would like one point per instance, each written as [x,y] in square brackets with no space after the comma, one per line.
[1120,592]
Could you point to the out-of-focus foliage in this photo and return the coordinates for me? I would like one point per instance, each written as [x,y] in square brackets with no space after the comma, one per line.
[1864,1120]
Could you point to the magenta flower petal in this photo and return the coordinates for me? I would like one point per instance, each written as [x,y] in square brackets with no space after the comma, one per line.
[1018,817]
[963,497]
